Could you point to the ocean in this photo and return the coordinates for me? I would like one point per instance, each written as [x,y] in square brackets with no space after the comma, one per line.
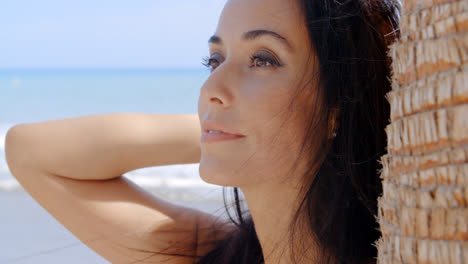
[28,234]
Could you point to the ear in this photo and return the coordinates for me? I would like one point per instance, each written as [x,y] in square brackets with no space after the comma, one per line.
[333,123]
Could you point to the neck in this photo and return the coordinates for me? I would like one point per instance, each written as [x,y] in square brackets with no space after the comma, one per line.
[273,207]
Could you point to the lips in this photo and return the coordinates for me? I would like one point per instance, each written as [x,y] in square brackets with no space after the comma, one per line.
[212,125]
[215,137]
[227,133]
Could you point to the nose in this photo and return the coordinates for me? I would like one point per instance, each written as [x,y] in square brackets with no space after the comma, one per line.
[216,91]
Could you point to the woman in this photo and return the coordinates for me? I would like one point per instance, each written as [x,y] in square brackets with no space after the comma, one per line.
[293,114]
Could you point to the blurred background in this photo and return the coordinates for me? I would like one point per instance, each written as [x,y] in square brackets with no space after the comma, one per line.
[62,59]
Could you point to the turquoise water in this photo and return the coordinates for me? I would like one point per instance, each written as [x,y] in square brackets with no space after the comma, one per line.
[38,95]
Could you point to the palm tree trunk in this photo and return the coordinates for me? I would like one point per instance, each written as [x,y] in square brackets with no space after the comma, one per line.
[423,211]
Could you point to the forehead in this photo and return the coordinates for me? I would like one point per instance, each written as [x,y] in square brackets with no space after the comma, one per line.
[281,16]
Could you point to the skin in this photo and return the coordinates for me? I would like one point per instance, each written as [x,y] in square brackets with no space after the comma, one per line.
[252,98]
[122,222]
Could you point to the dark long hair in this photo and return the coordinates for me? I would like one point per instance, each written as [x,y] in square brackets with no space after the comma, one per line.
[339,197]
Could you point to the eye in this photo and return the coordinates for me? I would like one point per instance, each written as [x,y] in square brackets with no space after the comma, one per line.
[259,62]
[264,59]
[211,62]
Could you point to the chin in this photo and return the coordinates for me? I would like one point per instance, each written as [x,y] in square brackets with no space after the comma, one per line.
[218,173]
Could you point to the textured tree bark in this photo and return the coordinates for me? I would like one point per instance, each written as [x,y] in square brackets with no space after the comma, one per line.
[423,211]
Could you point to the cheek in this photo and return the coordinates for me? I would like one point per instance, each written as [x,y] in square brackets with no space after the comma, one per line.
[266,104]
[265,95]
[277,130]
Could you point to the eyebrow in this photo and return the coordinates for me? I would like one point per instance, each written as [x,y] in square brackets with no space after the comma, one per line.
[254,34]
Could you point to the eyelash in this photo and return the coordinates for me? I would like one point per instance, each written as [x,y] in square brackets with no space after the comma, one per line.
[273,62]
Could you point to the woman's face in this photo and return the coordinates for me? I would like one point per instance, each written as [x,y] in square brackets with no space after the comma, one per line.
[259,56]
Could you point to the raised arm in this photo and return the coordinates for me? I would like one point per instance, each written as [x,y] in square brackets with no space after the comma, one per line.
[101,147]
[73,167]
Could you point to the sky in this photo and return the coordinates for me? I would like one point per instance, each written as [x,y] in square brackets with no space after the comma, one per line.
[106,33]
